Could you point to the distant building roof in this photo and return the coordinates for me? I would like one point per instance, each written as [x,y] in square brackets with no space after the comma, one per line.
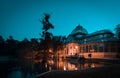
[100,32]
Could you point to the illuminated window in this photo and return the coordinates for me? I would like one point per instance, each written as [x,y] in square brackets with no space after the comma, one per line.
[76,47]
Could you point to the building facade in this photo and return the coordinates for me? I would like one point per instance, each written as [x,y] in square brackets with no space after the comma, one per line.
[100,44]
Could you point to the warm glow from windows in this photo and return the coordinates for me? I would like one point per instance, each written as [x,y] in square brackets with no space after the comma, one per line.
[76,68]
[64,67]
[76,47]
[50,50]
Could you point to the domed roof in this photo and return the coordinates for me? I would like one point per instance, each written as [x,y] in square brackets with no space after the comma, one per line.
[79,30]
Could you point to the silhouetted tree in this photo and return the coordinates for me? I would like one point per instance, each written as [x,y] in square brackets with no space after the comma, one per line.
[35,44]
[2,45]
[2,41]
[11,46]
[58,43]
[46,24]
[25,48]
[46,38]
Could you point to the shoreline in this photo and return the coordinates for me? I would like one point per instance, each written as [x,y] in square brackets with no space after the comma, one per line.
[110,71]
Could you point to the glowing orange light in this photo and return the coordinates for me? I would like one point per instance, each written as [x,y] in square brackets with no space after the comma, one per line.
[76,47]
[76,68]
[93,65]
[50,50]
[64,67]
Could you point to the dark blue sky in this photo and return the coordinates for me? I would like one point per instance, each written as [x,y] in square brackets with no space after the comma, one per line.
[21,18]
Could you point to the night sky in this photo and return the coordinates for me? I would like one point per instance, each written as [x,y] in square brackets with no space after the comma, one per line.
[20,18]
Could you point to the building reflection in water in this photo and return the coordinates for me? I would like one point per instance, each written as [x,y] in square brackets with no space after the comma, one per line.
[29,69]
[60,64]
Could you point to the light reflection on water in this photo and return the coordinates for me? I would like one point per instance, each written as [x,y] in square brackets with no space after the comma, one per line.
[67,65]
[31,68]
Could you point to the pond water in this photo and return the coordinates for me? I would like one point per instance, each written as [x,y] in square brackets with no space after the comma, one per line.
[31,68]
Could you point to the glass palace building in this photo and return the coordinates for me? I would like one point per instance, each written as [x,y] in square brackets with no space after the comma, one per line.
[100,44]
